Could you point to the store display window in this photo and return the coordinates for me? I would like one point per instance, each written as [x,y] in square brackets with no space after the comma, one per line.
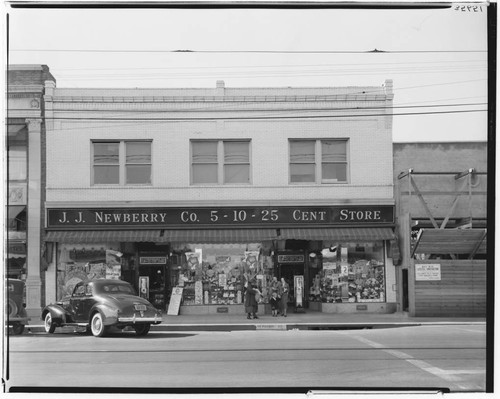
[350,272]
[217,274]
[86,262]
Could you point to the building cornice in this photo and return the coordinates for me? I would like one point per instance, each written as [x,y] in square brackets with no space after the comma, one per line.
[200,203]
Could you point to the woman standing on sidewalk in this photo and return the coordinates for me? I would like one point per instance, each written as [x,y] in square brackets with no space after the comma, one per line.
[283,293]
[251,304]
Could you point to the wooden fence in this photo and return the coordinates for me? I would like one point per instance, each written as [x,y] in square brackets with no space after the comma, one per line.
[452,288]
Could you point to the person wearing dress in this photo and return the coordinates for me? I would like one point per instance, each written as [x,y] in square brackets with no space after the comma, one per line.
[251,304]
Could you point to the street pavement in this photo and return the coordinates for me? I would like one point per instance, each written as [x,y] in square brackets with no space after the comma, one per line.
[450,357]
[310,320]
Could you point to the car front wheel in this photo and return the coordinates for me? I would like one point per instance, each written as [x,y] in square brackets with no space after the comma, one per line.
[142,329]
[49,324]
[97,325]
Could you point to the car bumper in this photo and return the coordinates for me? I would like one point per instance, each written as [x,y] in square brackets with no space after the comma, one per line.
[138,319]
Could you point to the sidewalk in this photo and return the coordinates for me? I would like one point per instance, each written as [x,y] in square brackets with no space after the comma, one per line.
[302,321]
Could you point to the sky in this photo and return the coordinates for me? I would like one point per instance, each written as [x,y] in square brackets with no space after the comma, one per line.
[437,58]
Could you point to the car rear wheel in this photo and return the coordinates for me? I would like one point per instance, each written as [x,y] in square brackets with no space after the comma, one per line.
[97,325]
[17,328]
[142,329]
[49,325]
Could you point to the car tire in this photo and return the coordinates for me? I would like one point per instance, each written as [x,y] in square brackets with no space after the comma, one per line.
[17,328]
[142,329]
[12,307]
[97,326]
[49,324]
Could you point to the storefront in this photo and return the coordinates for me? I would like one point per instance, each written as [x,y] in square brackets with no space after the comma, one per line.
[335,258]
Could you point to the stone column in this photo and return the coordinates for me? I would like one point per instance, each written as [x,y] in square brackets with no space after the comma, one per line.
[33,239]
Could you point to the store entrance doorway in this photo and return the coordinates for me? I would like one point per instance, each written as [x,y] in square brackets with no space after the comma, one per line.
[156,277]
[288,271]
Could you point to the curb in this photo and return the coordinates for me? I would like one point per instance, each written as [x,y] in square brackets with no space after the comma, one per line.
[30,329]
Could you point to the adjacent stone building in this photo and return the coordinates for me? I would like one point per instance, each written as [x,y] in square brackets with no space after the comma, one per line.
[26,178]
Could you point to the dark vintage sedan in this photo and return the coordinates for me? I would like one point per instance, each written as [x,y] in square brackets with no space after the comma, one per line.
[100,304]
[16,312]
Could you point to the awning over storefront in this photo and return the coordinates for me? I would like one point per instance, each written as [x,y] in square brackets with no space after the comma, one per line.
[76,237]
[228,236]
[339,234]
[221,235]
[15,266]
[451,241]
[15,210]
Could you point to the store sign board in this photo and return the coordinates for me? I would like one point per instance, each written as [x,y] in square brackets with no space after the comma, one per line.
[17,248]
[85,218]
[290,258]
[299,290]
[153,260]
[428,272]
[175,301]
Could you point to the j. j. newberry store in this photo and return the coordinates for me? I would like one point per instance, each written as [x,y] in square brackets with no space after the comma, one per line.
[199,191]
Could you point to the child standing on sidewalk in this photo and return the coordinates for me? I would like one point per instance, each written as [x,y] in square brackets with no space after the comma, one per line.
[275,303]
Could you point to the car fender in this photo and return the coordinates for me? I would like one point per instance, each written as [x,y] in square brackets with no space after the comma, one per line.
[57,312]
[109,314]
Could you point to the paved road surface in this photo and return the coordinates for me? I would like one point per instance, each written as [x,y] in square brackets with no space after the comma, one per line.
[419,357]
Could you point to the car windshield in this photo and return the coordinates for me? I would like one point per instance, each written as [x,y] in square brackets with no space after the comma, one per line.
[117,288]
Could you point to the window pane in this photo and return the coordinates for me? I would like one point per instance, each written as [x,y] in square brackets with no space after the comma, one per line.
[236,174]
[106,175]
[138,152]
[236,152]
[334,171]
[334,151]
[302,151]
[204,174]
[106,153]
[18,162]
[302,173]
[204,151]
[138,174]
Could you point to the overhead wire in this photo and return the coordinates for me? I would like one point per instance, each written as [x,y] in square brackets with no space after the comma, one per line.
[253,110]
[255,117]
[374,51]
[272,66]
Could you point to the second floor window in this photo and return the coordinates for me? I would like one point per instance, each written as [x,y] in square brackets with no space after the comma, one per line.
[18,162]
[220,162]
[318,161]
[122,162]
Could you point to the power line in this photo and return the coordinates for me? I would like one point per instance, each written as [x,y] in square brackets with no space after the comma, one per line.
[270,66]
[258,117]
[253,110]
[189,51]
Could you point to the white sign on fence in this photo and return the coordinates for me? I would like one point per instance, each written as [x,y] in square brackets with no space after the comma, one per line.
[428,272]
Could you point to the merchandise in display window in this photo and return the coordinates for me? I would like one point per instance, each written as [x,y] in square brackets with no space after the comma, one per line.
[86,262]
[219,273]
[350,272]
